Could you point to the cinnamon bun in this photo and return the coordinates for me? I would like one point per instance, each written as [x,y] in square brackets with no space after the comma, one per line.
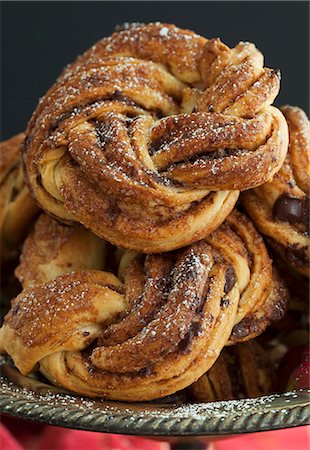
[280,209]
[52,249]
[17,207]
[152,332]
[148,137]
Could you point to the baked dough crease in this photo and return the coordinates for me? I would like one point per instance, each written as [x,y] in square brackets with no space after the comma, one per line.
[242,371]
[149,136]
[280,208]
[151,329]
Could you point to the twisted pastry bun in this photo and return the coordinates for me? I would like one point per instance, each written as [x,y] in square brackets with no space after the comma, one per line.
[148,137]
[152,333]
[53,249]
[17,207]
[263,295]
[280,209]
[243,371]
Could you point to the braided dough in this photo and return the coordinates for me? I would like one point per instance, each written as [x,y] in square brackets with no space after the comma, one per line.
[243,371]
[148,137]
[17,207]
[149,334]
[280,209]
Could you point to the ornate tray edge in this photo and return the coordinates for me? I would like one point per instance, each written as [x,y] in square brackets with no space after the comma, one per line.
[138,424]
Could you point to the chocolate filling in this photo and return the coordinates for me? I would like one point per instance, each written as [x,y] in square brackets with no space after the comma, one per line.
[224,302]
[186,344]
[146,371]
[291,209]
[296,256]
[230,279]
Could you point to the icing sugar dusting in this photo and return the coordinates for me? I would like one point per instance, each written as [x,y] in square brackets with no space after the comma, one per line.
[164,32]
[232,409]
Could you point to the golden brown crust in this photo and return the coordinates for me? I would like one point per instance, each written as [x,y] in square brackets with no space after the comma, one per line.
[242,371]
[148,137]
[53,249]
[299,145]
[17,208]
[10,154]
[263,295]
[154,333]
[280,209]
[97,373]
[59,315]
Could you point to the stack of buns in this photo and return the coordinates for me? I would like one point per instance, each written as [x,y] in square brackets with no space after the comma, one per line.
[153,182]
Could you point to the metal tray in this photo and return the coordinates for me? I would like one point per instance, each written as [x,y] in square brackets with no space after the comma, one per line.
[33,399]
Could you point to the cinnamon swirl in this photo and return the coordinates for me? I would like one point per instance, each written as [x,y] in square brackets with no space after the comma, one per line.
[280,209]
[148,137]
[153,332]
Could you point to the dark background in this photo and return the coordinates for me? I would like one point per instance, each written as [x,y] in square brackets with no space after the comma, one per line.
[39,38]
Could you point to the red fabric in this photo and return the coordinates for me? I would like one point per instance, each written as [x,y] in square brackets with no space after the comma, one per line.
[7,440]
[21,435]
[289,439]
